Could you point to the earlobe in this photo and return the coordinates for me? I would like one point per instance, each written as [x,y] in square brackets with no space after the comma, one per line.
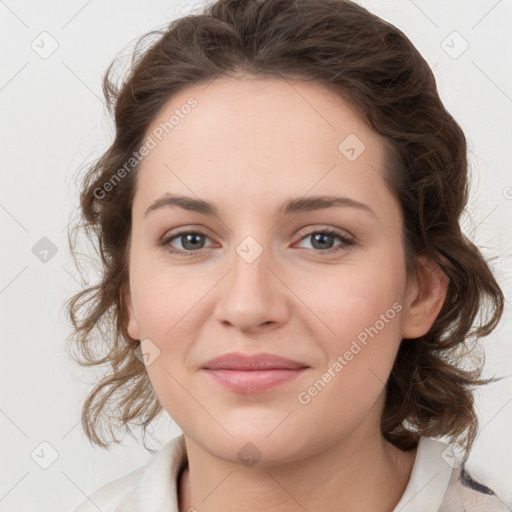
[132,326]
[425,298]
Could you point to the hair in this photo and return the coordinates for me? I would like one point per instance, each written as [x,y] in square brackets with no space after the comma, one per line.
[372,65]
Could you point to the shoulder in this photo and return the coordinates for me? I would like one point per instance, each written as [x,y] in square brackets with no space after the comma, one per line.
[465,493]
[150,487]
[440,482]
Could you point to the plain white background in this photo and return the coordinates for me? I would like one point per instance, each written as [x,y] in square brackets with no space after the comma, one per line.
[53,120]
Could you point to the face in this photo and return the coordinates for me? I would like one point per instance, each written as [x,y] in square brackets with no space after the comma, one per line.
[267,269]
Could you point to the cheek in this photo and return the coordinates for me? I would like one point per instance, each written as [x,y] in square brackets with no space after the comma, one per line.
[356,298]
[163,299]
[167,304]
[362,307]
[366,319]
[165,312]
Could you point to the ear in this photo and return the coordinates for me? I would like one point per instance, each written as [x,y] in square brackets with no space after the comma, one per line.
[131,323]
[425,298]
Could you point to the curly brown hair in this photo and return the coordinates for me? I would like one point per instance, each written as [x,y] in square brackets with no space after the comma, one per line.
[375,67]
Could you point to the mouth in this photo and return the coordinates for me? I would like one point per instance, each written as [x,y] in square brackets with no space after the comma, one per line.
[255,373]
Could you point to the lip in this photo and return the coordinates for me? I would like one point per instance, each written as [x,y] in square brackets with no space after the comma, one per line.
[254,373]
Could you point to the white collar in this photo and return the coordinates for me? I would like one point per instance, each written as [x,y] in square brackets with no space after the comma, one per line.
[429,478]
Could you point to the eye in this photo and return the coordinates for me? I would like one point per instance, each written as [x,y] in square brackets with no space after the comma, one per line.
[190,241]
[323,239]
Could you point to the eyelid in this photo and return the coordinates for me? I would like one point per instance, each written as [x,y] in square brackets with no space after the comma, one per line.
[301,233]
[319,228]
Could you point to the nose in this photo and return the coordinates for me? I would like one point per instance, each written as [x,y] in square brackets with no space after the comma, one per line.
[253,296]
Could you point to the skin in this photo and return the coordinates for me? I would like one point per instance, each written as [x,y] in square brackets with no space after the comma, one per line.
[247,146]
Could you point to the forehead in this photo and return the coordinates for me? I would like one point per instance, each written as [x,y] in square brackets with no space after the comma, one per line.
[255,138]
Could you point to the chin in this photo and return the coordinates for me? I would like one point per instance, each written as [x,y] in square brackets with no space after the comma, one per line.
[258,452]
[261,444]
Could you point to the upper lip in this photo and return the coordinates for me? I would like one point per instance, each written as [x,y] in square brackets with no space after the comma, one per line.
[262,361]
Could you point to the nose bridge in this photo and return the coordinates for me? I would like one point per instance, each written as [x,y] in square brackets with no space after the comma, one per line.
[251,294]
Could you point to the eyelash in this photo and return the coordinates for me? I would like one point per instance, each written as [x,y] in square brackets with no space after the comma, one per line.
[346,241]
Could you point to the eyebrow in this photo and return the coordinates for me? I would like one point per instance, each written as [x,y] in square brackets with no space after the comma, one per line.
[290,206]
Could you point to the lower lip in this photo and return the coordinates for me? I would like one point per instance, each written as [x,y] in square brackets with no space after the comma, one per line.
[253,381]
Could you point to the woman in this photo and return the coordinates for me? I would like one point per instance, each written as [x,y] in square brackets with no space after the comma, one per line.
[283,269]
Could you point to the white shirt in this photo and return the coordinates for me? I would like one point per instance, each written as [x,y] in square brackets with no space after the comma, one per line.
[437,484]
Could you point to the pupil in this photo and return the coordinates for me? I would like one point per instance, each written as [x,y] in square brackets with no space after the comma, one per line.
[322,236]
[190,239]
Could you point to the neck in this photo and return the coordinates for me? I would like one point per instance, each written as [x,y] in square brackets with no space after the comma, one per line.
[363,473]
